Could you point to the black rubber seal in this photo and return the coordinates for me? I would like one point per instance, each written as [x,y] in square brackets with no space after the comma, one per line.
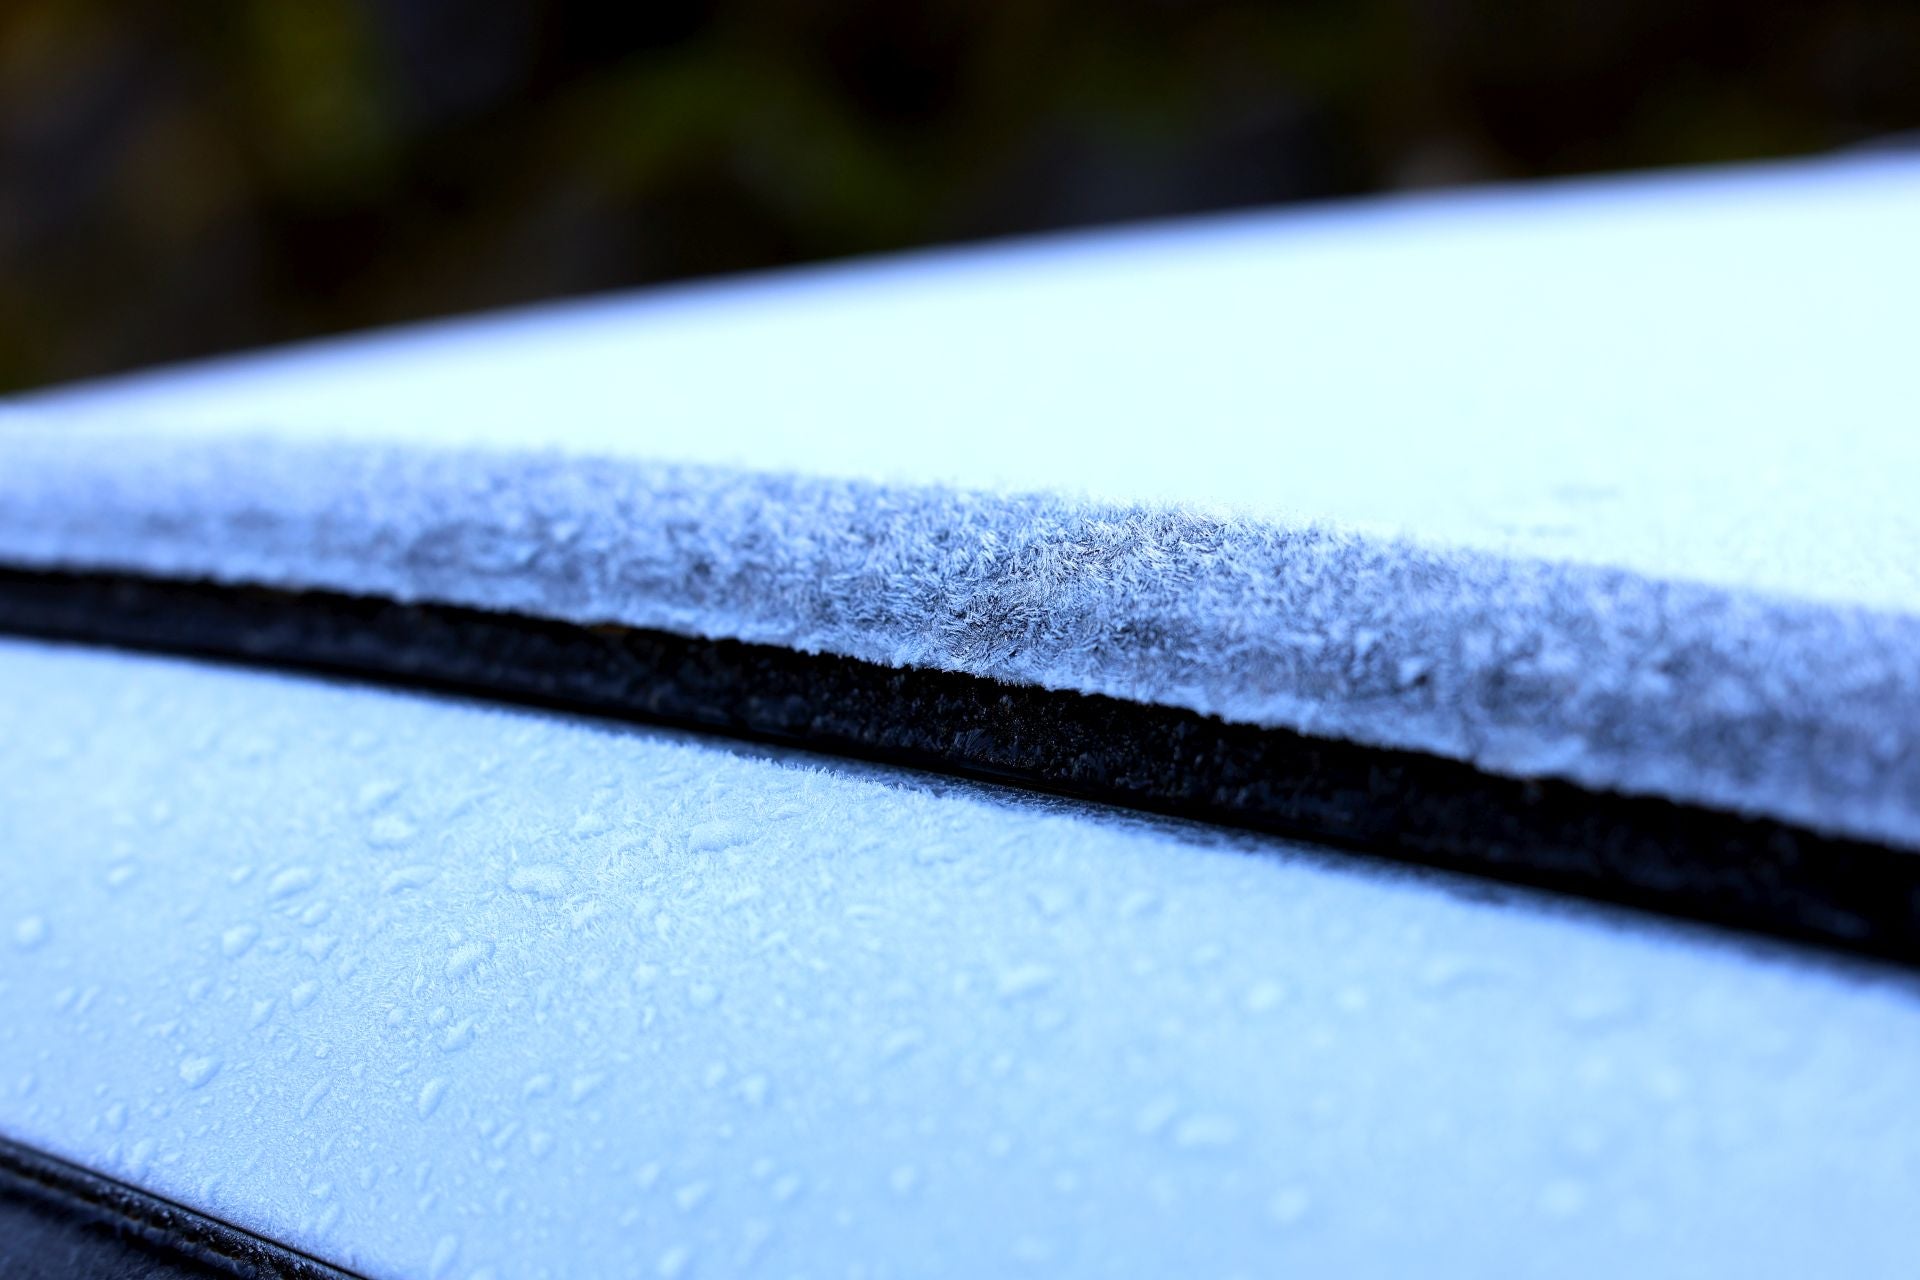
[1756,875]
[59,1221]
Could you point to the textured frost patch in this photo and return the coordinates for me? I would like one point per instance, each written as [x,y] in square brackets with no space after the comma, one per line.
[1622,472]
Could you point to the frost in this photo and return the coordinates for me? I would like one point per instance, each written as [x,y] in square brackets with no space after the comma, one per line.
[1115,1046]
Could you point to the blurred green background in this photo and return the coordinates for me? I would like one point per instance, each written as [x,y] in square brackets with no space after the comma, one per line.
[179,179]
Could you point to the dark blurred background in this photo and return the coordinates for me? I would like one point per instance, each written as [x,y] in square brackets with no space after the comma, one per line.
[183,178]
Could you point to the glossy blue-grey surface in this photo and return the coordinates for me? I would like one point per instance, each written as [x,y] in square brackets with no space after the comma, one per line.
[437,989]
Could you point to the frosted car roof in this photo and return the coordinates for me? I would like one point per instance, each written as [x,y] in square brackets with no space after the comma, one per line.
[431,988]
[1599,486]
[1702,376]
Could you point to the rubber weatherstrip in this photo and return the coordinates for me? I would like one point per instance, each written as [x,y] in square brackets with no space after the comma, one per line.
[1756,875]
[58,1220]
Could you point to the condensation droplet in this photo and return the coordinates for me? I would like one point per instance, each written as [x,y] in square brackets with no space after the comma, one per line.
[389,831]
[415,876]
[466,958]
[711,837]
[1562,1198]
[540,880]
[430,1094]
[1288,1205]
[444,1252]
[1024,980]
[1205,1130]
[291,881]
[196,1071]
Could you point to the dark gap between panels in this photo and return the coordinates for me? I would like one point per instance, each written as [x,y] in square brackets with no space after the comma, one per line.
[1690,861]
[59,1221]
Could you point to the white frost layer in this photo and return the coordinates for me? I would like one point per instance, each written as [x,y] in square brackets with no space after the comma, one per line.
[1705,377]
[1607,481]
[434,989]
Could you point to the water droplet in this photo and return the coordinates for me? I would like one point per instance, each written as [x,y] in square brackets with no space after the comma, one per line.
[702,995]
[291,881]
[468,957]
[238,940]
[539,1144]
[1599,1008]
[389,831]
[375,796]
[31,932]
[1156,1115]
[692,1196]
[1262,996]
[120,874]
[1288,1205]
[1023,980]
[196,1071]
[786,1187]
[444,1253]
[674,1261]
[903,1180]
[1051,901]
[537,1086]
[712,837]
[411,877]
[540,880]
[115,1118]
[458,1036]
[1032,1251]
[430,1094]
[1205,1130]
[314,1096]
[752,1090]
[585,1086]
[262,1010]
[302,996]
[1562,1198]
[901,1043]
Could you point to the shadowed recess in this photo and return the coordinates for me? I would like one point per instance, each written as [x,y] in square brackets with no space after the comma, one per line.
[1683,860]
[59,1221]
